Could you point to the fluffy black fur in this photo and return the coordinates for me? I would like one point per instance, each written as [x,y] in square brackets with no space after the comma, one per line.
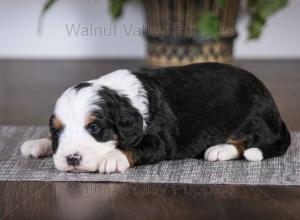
[192,108]
[118,119]
[197,106]
[82,85]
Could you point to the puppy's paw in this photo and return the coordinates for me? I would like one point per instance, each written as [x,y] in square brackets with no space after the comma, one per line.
[253,154]
[114,162]
[37,148]
[221,152]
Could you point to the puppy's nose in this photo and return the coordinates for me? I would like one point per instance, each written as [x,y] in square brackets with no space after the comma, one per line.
[73,159]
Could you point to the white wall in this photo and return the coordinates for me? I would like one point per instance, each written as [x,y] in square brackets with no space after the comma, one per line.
[19,38]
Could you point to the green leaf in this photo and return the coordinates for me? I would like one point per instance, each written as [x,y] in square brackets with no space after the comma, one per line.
[221,3]
[116,7]
[209,25]
[260,11]
[46,7]
[255,28]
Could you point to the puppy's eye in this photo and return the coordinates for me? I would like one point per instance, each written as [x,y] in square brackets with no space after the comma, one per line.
[57,132]
[93,128]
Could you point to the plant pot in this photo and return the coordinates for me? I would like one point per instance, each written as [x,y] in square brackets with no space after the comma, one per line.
[174,39]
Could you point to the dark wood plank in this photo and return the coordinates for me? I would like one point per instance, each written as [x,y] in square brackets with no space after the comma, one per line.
[35,200]
[287,197]
[15,195]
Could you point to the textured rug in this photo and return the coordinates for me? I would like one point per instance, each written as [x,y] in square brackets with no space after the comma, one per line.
[283,170]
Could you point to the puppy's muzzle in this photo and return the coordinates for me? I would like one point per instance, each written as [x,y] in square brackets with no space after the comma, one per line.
[73,159]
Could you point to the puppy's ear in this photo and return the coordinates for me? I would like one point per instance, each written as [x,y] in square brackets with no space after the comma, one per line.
[129,126]
[126,120]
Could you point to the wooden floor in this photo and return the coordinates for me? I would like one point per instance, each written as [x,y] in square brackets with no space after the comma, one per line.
[28,90]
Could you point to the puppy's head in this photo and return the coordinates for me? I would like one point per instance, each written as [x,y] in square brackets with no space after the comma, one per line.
[93,118]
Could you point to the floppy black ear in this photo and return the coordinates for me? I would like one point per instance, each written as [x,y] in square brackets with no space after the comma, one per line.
[126,120]
[129,126]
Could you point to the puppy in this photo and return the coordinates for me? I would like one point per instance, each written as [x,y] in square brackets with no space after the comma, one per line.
[125,119]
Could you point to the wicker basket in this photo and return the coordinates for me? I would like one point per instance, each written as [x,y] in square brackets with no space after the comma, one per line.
[173,38]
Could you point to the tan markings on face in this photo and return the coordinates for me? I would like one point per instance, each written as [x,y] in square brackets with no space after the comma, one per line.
[57,123]
[89,120]
[129,155]
[239,144]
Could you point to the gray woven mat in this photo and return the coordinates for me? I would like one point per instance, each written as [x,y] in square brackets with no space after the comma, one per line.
[276,171]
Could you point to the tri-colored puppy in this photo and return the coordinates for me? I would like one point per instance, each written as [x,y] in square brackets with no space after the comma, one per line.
[126,119]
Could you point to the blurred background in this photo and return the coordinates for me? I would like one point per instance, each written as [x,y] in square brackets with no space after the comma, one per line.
[47,46]
[119,38]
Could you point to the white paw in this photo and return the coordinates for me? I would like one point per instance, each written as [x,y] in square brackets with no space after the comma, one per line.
[221,152]
[253,154]
[37,148]
[114,162]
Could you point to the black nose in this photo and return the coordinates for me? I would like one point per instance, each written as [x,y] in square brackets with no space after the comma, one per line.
[73,159]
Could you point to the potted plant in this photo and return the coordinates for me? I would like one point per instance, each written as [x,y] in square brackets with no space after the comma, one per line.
[191,31]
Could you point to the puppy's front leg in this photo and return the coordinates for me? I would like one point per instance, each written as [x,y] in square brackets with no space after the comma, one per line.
[150,150]
[115,161]
[37,148]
